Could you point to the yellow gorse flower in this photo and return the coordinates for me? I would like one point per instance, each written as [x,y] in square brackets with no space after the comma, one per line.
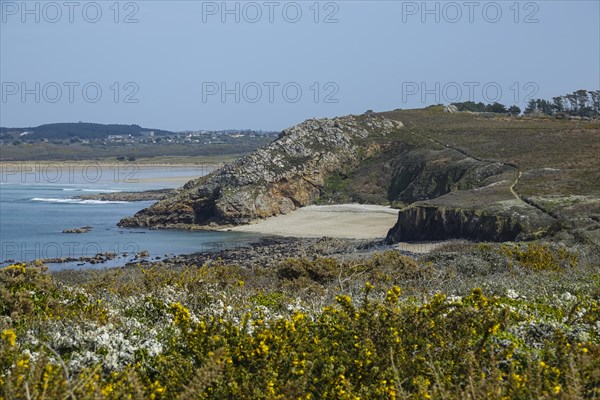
[180,313]
[10,336]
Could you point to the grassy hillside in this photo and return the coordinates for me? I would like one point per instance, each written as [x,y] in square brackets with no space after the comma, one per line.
[556,157]
[572,147]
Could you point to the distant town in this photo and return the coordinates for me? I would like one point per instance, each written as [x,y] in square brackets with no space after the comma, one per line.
[90,141]
[205,137]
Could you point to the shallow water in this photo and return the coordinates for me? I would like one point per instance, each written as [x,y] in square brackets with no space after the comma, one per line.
[33,215]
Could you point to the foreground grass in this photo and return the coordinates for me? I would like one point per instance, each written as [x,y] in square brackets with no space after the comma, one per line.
[322,328]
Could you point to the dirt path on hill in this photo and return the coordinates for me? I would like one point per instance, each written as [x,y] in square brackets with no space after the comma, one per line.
[512,186]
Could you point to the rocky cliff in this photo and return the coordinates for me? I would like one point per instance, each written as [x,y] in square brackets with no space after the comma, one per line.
[465,198]
[287,174]
[417,223]
[451,175]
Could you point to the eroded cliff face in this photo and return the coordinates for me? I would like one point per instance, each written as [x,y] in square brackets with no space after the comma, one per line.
[287,174]
[417,223]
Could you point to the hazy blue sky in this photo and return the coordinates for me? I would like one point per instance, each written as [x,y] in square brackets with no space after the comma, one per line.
[175,58]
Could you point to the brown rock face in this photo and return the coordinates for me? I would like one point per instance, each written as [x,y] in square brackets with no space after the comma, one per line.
[418,223]
[287,174]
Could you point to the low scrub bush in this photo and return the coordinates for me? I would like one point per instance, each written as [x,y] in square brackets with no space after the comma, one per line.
[203,332]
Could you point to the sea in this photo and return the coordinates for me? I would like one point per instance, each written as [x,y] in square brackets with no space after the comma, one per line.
[37,203]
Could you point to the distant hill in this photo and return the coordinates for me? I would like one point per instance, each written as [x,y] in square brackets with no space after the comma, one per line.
[82,130]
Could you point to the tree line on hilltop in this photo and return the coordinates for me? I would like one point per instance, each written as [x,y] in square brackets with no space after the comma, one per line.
[581,103]
[491,108]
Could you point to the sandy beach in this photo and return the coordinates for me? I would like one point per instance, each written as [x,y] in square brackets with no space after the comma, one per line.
[354,221]
[344,221]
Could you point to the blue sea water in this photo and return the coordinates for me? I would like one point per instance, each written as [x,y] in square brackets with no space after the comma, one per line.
[36,207]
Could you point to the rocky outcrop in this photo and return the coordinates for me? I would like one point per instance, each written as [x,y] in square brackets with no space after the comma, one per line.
[423,174]
[99,258]
[486,213]
[417,223]
[147,195]
[451,108]
[83,229]
[287,174]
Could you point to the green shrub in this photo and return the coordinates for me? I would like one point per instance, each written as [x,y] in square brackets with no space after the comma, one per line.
[541,257]
[320,329]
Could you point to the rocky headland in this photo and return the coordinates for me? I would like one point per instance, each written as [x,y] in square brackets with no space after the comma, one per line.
[450,175]
[287,174]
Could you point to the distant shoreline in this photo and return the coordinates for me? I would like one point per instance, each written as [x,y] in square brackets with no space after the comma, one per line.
[84,163]
[178,173]
[158,161]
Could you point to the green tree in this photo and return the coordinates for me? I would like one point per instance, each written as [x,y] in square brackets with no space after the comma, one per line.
[496,108]
[572,98]
[531,107]
[514,110]
[559,105]
[595,95]
[582,102]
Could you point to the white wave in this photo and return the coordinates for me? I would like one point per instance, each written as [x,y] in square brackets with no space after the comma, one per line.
[102,202]
[91,190]
[101,190]
[76,201]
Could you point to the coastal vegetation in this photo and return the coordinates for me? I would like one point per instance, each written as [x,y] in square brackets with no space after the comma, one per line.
[579,104]
[466,321]
[509,308]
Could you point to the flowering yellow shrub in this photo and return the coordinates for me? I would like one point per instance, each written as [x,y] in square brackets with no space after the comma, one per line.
[541,257]
[199,336]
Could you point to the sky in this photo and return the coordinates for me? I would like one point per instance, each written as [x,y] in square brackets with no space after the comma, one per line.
[191,65]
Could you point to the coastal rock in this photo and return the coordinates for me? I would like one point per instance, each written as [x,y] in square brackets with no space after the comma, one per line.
[480,214]
[147,195]
[143,254]
[420,223]
[97,259]
[287,174]
[83,229]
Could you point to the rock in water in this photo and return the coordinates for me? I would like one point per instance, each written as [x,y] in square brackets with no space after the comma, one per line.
[83,229]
